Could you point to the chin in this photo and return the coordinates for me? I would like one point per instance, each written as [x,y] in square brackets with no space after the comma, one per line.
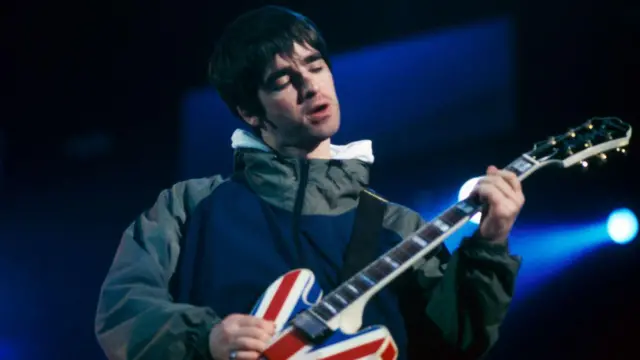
[326,129]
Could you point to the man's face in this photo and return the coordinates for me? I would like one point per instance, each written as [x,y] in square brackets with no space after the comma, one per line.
[300,99]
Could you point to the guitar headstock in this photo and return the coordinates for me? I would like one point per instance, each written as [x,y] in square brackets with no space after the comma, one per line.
[593,138]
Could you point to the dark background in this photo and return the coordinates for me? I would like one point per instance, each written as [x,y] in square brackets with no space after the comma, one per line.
[90,135]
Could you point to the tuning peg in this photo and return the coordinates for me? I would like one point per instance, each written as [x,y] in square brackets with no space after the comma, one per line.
[584,164]
[602,158]
[622,151]
[587,144]
[552,140]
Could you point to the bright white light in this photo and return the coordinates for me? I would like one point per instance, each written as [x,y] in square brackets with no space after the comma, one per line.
[464,192]
[622,226]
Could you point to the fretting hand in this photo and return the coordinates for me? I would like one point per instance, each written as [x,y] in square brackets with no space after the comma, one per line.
[501,191]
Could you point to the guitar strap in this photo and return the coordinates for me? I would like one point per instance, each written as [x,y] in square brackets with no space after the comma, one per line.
[364,243]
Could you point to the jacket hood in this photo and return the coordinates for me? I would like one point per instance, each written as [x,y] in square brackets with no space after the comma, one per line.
[330,186]
[361,150]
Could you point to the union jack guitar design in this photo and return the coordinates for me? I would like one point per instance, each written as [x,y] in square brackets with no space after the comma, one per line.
[310,326]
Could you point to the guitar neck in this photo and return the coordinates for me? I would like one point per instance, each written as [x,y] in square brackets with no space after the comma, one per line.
[413,248]
[593,138]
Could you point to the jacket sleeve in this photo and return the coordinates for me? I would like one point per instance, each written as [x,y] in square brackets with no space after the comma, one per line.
[468,296]
[136,317]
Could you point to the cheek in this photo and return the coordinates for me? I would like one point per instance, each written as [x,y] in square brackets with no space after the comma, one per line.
[281,106]
[327,83]
[284,104]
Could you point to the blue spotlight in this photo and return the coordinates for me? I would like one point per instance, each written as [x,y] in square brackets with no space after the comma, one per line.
[464,192]
[622,226]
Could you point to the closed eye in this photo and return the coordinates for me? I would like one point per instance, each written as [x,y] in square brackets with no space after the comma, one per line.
[282,78]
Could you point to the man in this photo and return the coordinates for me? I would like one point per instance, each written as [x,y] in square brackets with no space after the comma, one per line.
[188,271]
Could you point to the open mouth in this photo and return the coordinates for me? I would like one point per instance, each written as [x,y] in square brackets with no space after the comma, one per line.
[319,109]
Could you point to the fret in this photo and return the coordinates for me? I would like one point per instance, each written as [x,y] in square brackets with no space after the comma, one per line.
[345,293]
[367,279]
[331,309]
[360,284]
[384,266]
[420,241]
[391,262]
[339,298]
[336,302]
[353,290]
[430,232]
[520,166]
[412,246]
[465,207]
[374,273]
[456,213]
[350,292]
[323,311]
[441,225]
[473,202]
[399,255]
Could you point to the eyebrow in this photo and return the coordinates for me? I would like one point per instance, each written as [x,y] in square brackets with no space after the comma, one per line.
[285,70]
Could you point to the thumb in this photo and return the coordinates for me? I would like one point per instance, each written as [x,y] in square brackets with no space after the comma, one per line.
[491,170]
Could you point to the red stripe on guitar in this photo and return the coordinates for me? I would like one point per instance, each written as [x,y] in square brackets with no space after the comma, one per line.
[357,352]
[285,347]
[390,352]
[281,295]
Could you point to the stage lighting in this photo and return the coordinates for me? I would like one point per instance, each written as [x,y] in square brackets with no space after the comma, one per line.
[622,226]
[464,192]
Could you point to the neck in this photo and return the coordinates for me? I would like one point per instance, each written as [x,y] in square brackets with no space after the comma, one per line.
[320,150]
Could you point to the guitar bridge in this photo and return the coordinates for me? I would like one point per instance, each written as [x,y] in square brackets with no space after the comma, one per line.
[311,327]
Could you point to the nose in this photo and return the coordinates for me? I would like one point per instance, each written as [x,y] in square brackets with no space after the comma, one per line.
[307,88]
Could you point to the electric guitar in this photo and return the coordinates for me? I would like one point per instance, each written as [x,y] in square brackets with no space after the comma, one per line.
[312,327]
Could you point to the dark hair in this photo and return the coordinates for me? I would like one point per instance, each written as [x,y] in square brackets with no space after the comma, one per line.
[249,44]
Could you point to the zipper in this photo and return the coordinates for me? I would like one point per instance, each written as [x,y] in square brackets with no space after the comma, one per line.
[303,176]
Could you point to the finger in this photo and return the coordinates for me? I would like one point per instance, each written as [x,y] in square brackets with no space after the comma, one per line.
[247,355]
[496,200]
[509,176]
[247,320]
[497,203]
[251,344]
[512,180]
[487,192]
[254,332]
[500,185]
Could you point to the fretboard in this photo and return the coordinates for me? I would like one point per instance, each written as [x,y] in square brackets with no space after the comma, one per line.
[416,246]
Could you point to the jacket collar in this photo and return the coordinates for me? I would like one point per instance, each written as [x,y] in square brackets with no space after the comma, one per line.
[330,186]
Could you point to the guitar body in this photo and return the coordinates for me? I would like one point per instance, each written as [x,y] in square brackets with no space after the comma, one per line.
[297,291]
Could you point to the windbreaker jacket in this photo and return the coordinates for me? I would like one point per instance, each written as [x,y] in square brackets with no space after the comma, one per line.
[210,247]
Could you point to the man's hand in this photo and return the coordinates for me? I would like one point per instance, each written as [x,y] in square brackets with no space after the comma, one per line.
[247,335]
[501,191]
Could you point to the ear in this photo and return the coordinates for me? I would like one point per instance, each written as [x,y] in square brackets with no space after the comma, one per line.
[251,120]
